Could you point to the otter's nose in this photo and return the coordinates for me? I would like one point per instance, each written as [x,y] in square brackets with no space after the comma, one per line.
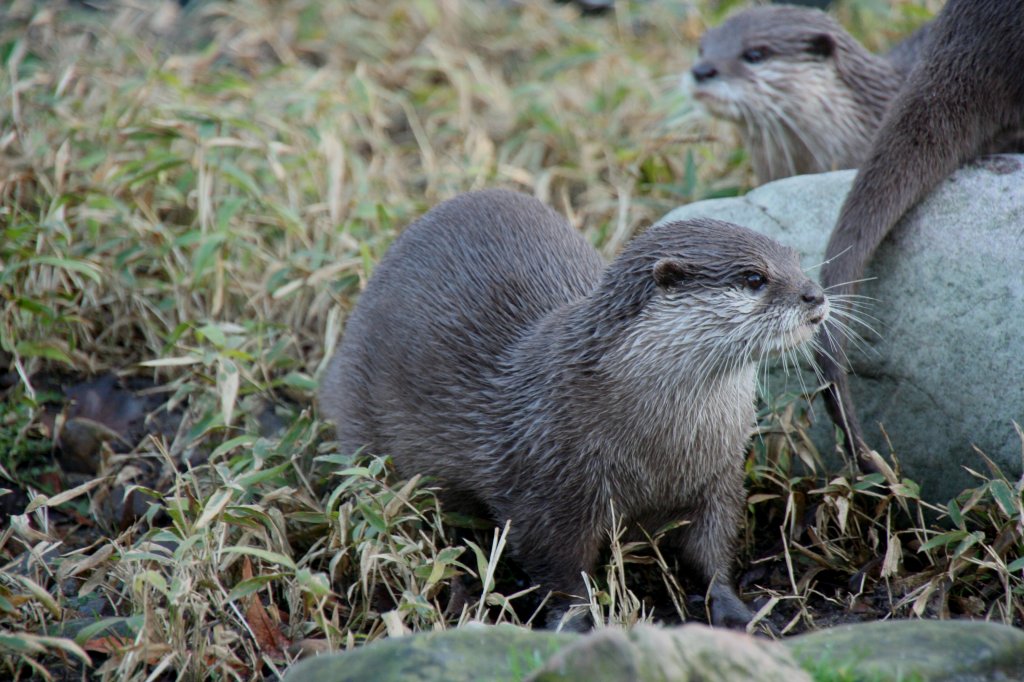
[812,294]
[703,71]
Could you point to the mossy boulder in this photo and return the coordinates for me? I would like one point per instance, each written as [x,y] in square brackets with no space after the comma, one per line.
[891,651]
[908,650]
[476,653]
[651,654]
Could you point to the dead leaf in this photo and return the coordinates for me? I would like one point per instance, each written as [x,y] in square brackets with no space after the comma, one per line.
[109,645]
[267,632]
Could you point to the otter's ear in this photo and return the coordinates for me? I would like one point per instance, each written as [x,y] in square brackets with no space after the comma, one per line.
[670,272]
[821,44]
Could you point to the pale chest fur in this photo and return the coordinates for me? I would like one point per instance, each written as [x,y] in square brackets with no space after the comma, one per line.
[678,437]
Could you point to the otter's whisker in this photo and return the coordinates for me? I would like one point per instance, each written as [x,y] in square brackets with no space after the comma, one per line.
[849,283]
[864,322]
[849,334]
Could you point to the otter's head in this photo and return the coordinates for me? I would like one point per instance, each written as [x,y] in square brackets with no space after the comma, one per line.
[793,80]
[712,295]
[760,53]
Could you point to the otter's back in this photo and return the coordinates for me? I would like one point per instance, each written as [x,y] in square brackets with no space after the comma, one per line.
[456,288]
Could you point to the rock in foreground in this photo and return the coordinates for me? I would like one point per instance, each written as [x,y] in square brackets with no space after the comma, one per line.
[476,653]
[691,652]
[939,651]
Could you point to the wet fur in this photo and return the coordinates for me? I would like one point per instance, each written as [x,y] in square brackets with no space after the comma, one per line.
[965,96]
[812,105]
[494,350]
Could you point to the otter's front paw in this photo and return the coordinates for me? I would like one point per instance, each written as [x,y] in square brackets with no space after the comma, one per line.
[727,610]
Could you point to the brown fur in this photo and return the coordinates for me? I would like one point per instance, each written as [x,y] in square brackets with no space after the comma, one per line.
[494,350]
[806,96]
[965,96]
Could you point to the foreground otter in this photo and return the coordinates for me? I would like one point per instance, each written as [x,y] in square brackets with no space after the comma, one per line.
[966,96]
[807,97]
[494,350]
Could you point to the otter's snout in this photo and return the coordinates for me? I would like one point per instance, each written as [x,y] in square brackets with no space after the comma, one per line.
[703,71]
[814,297]
[812,294]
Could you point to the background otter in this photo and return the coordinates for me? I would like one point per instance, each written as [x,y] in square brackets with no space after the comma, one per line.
[965,96]
[906,53]
[494,350]
[805,95]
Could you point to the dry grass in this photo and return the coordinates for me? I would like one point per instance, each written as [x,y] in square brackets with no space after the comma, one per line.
[196,200]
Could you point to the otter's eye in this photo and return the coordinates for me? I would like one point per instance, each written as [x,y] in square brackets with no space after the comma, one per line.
[754,55]
[754,281]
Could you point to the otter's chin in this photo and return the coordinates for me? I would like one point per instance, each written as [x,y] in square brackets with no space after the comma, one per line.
[716,105]
[806,333]
[795,338]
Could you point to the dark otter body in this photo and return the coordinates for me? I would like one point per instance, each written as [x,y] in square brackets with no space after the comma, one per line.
[806,96]
[494,350]
[906,53]
[965,96]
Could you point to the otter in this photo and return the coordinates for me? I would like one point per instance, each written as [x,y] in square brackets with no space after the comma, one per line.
[494,350]
[806,96]
[907,53]
[965,97]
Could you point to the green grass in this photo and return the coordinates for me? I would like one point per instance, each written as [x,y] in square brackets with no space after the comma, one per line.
[197,200]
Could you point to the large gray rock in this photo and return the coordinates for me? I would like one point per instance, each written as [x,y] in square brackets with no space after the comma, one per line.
[947,372]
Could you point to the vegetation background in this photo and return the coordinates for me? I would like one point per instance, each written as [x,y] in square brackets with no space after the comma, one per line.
[190,203]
